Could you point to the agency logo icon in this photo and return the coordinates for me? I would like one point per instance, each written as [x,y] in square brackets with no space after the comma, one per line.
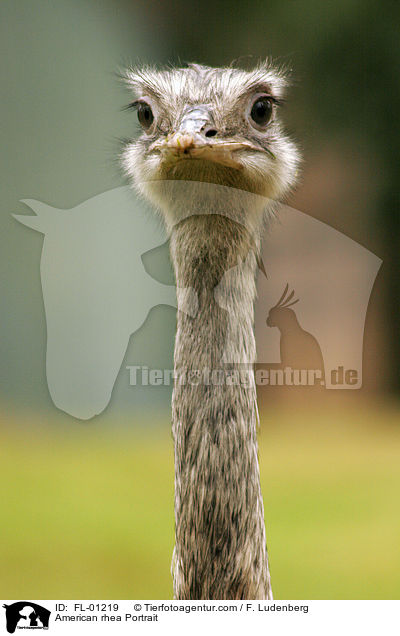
[26,615]
[309,315]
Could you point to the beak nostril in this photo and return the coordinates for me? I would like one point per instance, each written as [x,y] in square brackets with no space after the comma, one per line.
[211,132]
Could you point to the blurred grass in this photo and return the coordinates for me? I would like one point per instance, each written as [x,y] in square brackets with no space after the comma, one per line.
[89,513]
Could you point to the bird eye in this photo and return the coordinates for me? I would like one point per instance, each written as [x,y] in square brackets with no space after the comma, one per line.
[261,111]
[145,115]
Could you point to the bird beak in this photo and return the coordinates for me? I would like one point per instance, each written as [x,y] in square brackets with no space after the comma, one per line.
[197,121]
[197,138]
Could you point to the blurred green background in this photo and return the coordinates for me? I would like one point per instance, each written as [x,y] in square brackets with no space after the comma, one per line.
[88,507]
[89,514]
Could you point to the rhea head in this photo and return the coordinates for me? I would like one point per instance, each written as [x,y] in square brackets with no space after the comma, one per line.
[212,125]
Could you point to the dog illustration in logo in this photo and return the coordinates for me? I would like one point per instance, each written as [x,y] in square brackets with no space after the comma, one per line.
[26,610]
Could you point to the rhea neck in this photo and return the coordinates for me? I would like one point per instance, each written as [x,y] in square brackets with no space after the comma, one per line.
[220,550]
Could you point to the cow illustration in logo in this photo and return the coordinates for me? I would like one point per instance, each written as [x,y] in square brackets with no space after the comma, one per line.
[26,614]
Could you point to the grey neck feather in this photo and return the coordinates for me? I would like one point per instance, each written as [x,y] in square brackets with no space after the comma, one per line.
[220,550]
